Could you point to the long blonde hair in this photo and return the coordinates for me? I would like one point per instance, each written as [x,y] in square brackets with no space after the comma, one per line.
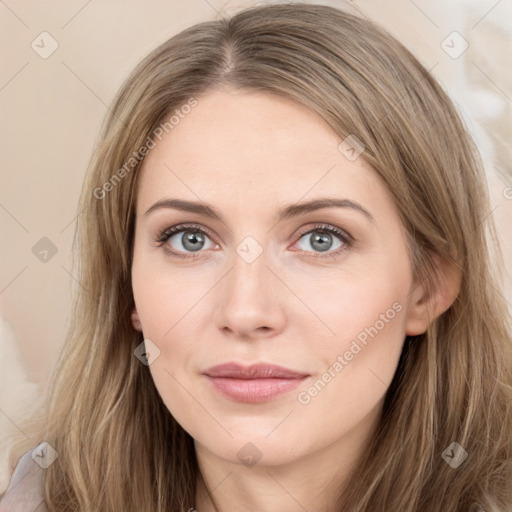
[120,448]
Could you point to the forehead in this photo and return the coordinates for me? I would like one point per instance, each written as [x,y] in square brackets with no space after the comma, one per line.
[252,149]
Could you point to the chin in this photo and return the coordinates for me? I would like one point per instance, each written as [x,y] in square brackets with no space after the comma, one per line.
[252,447]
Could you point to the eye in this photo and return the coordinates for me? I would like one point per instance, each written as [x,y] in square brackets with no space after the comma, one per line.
[320,238]
[188,239]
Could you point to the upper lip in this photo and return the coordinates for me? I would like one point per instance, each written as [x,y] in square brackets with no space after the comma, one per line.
[254,371]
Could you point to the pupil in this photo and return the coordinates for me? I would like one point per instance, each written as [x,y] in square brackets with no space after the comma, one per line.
[322,241]
[194,239]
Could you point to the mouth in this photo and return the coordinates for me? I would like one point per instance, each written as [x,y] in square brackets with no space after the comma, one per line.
[255,383]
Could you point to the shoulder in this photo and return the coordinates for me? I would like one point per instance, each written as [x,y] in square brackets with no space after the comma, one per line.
[25,491]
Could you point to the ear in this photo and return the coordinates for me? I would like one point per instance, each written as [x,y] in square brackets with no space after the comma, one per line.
[136,320]
[425,308]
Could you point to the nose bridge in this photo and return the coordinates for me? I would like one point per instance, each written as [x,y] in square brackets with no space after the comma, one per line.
[250,297]
[250,274]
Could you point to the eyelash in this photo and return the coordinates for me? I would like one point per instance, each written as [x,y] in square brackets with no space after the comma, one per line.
[164,236]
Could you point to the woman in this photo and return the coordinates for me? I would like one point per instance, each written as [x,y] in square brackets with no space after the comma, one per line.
[288,291]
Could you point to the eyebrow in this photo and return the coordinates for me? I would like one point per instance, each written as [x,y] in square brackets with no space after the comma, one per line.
[290,211]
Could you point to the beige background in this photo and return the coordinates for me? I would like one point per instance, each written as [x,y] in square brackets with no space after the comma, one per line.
[52,109]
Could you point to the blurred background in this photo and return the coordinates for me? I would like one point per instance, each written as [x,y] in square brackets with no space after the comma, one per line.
[63,61]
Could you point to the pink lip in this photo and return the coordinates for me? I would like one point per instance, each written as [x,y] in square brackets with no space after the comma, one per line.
[254,383]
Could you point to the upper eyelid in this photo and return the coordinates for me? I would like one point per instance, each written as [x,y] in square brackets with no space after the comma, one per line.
[347,240]
[319,226]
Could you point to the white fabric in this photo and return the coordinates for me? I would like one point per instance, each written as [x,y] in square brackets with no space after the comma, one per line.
[25,491]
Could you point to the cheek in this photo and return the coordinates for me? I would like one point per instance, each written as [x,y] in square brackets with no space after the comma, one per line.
[357,305]
[355,369]
[164,295]
[365,348]
[365,312]
[167,303]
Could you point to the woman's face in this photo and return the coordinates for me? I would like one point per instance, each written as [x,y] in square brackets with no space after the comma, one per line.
[261,286]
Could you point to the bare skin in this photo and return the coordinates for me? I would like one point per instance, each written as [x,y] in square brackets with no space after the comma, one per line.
[296,305]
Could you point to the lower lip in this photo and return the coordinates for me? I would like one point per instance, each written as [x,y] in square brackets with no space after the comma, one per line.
[254,390]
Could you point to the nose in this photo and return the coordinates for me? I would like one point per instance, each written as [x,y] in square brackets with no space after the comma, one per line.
[251,300]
